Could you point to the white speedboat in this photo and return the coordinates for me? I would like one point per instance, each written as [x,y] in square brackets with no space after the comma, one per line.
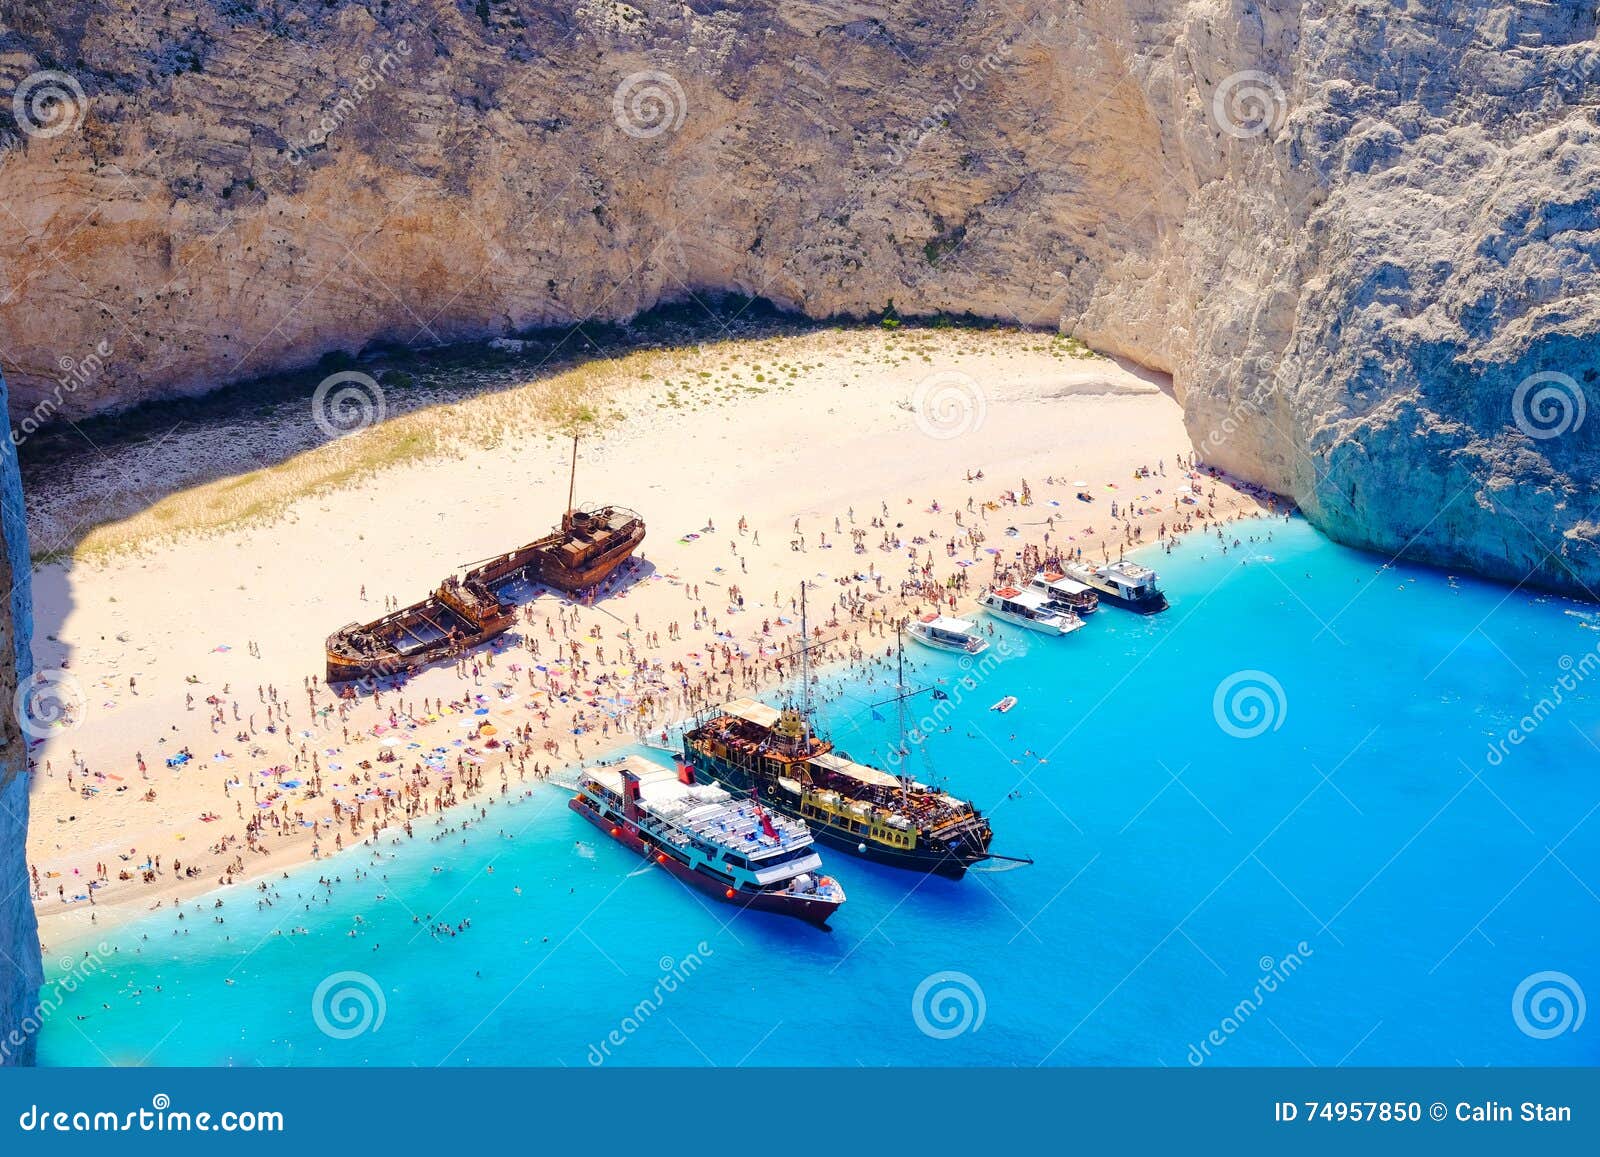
[1127,584]
[1065,594]
[1028,609]
[944,634]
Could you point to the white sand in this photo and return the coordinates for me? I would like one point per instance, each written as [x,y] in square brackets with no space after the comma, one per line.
[846,434]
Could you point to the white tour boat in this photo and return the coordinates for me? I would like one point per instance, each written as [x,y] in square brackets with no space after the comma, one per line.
[1127,584]
[944,634]
[731,848]
[1065,594]
[1028,609]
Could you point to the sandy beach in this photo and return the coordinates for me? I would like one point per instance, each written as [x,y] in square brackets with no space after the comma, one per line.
[869,465]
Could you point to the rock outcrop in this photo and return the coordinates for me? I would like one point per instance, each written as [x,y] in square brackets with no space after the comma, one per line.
[1361,236]
[19,935]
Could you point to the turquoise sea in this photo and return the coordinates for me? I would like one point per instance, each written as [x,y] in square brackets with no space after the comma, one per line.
[1284,823]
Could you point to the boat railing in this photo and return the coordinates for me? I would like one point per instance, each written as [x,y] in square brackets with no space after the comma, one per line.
[709,832]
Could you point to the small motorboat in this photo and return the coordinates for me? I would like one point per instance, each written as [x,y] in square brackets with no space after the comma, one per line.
[1005,704]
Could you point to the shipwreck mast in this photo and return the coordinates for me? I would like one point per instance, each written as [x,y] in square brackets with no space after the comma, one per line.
[572,484]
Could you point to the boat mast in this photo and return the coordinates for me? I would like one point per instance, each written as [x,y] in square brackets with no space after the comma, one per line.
[572,483]
[900,704]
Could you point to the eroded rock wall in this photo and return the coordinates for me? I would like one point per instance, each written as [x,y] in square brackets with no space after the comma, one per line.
[19,935]
[1353,232]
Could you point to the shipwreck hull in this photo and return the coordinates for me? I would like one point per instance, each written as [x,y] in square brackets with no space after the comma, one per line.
[551,571]
[345,668]
[347,663]
[586,550]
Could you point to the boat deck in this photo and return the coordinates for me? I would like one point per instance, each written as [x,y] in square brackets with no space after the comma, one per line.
[703,811]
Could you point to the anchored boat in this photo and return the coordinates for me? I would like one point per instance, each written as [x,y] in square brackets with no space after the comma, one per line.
[1064,594]
[468,610]
[944,634]
[747,745]
[1028,609]
[860,809]
[729,848]
[1127,584]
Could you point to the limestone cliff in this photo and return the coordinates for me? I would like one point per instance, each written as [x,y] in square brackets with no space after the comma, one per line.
[1360,235]
[19,937]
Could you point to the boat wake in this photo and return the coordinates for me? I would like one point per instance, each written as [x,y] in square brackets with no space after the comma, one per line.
[1006,866]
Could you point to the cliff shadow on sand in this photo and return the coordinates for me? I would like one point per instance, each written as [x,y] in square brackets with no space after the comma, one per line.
[241,453]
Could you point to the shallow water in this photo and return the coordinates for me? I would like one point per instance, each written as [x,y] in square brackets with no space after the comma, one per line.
[1368,881]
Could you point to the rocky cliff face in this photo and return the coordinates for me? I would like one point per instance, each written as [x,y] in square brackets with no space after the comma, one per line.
[1360,235]
[19,937]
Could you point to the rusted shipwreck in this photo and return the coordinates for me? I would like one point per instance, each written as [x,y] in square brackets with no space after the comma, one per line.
[471,608]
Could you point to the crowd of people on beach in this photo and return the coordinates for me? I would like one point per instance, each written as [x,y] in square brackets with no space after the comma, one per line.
[330,768]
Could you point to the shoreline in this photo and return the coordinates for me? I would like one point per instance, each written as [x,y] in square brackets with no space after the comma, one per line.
[869,515]
[125,913]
